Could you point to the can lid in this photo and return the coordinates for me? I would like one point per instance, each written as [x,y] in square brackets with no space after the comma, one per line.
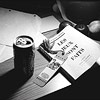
[23,41]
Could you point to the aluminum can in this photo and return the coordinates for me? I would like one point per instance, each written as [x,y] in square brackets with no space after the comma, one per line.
[24,55]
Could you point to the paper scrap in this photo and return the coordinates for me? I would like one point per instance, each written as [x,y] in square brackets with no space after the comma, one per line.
[49,23]
[5,53]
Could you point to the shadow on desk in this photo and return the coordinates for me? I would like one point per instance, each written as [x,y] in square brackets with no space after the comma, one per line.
[9,83]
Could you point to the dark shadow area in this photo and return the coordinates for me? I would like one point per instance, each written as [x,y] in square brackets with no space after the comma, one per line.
[9,83]
[39,7]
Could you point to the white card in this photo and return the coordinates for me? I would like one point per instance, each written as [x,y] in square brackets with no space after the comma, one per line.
[49,23]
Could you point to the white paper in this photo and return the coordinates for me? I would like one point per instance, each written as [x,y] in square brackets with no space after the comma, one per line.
[2,47]
[49,23]
[82,52]
[5,53]
[14,23]
[98,61]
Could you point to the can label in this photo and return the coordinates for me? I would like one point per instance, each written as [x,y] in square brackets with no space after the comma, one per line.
[24,54]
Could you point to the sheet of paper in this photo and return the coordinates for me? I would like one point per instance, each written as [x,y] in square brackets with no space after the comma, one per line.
[81,52]
[49,23]
[2,47]
[5,53]
[14,23]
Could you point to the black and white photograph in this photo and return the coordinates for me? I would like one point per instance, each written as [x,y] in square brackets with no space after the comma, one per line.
[49,49]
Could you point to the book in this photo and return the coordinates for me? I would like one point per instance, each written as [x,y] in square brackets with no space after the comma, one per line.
[80,52]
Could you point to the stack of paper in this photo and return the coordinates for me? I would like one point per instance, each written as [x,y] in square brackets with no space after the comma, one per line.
[14,23]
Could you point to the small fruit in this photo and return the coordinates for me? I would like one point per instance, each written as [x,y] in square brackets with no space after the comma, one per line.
[94,28]
[55,8]
[82,28]
[63,24]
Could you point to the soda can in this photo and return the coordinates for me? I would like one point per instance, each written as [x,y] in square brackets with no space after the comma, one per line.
[24,54]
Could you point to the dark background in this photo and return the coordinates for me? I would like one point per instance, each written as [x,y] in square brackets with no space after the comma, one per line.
[88,85]
[39,7]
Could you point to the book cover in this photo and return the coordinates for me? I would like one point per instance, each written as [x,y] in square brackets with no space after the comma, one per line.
[81,52]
